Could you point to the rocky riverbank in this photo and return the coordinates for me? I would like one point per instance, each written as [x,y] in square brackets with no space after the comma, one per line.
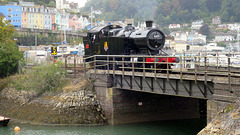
[227,121]
[76,104]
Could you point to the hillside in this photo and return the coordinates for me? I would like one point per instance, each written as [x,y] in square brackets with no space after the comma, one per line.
[165,12]
[49,3]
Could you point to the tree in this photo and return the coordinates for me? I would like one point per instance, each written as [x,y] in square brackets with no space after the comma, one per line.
[51,4]
[9,53]
[205,30]
[213,5]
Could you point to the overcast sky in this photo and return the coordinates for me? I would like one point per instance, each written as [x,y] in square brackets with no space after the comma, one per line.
[81,3]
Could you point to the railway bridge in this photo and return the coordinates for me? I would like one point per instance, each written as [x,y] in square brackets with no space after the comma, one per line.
[196,87]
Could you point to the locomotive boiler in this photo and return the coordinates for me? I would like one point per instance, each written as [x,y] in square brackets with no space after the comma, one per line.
[115,40]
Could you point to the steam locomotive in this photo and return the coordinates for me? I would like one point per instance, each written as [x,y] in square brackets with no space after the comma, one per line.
[115,40]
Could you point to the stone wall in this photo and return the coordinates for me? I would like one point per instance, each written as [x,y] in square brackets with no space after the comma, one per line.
[77,104]
[222,97]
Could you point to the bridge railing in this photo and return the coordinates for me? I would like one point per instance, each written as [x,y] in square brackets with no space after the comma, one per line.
[196,65]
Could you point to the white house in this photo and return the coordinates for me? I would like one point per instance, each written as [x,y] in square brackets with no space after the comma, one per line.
[179,36]
[213,47]
[197,38]
[198,22]
[174,26]
[234,27]
[63,4]
[196,26]
[219,38]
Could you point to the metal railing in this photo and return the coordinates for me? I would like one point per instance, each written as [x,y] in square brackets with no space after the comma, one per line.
[196,65]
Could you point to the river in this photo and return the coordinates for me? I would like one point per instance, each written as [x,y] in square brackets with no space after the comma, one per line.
[175,127]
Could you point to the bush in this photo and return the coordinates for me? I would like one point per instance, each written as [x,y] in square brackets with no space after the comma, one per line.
[3,83]
[44,78]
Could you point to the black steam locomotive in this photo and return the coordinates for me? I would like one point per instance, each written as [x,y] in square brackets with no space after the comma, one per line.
[115,40]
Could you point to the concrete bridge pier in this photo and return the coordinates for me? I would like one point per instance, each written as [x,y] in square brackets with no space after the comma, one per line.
[129,106]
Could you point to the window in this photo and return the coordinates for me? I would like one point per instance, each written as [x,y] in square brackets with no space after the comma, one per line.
[9,9]
[9,15]
[13,14]
[10,20]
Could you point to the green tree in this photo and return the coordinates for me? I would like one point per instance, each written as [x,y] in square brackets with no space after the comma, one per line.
[205,30]
[213,5]
[51,4]
[9,53]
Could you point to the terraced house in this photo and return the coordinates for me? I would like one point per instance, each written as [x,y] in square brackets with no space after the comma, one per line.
[12,12]
[28,15]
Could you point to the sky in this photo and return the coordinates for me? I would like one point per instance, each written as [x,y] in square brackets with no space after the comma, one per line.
[81,3]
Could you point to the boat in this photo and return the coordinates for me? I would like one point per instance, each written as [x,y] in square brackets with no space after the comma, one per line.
[4,121]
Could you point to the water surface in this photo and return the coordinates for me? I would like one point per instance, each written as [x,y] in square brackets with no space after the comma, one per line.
[176,127]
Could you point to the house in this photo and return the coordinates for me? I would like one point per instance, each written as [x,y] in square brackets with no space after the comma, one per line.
[198,22]
[179,46]
[196,26]
[25,21]
[61,19]
[197,38]
[12,12]
[74,22]
[222,27]
[86,22]
[189,37]
[233,27]
[174,26]
[64,4]
[220,38]
[47,18]
[179,36]
[216,20]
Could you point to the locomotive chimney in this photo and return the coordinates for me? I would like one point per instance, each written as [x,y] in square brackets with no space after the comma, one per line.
[149,24]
